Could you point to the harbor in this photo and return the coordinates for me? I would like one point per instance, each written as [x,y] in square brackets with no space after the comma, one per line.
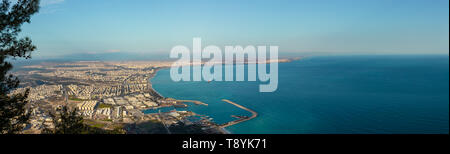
[240,118]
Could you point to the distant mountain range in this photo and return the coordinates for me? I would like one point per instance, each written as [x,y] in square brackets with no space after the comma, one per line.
[111,56]
[115,56]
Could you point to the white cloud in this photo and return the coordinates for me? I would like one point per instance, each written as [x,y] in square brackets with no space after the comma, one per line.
[50,6]
[50,2]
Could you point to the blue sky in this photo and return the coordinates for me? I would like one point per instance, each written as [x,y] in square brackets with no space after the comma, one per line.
[65,27]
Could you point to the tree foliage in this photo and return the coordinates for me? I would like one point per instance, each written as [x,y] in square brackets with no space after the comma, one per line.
[13,116]
[67,121]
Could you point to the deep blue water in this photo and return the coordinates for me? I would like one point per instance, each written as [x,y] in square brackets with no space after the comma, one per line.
[335,94]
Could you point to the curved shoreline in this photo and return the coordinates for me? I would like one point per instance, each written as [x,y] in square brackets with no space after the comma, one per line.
[161,96]
[221,127]
[150,82]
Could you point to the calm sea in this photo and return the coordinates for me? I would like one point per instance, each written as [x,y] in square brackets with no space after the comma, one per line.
[334,94]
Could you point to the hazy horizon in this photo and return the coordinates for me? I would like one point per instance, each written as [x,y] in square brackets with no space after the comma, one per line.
[68,27]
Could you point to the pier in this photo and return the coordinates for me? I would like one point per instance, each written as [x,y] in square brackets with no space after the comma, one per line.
[192,101]
[254,115]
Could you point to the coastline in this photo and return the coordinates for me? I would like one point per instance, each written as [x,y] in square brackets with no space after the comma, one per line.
[220,127]
[150,82]
[55,74]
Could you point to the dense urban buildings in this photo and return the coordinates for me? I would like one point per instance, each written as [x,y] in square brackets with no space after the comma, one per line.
[106,94]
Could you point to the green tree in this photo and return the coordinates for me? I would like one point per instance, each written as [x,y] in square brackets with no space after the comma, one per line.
[13,116]
[67,121]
